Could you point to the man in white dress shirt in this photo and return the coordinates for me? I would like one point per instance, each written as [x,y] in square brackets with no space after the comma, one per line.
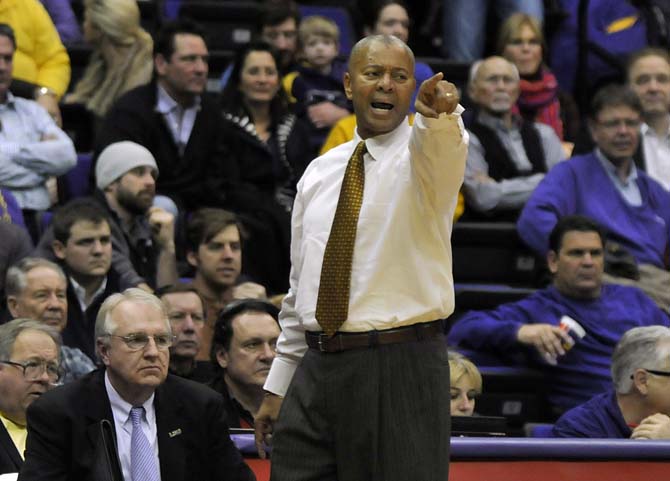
[369,401]
[649,78]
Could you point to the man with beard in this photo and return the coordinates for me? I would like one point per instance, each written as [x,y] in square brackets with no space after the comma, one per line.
[143,249]
[508,156]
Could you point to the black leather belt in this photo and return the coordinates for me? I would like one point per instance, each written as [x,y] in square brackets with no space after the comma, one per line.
[344,341]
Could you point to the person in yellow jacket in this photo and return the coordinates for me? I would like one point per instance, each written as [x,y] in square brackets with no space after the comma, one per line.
[40,58]
[343,131]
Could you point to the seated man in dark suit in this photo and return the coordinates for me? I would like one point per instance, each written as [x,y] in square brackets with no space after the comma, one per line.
[166,428]
[29,367]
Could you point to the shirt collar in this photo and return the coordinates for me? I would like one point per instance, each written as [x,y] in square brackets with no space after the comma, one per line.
[611,169]
[379,144]
[80,291]
[166,104]
[11,100]
[646,130]
[121,408]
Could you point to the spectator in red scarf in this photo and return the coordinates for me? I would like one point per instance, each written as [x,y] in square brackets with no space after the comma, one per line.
[520,41]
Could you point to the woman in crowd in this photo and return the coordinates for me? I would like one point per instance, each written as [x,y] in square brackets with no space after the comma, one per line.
[268,144]
[466,384]
[520,41]
[121,57]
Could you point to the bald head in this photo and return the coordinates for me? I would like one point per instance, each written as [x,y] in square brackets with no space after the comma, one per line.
[494,85]
[380,82]
[362,46]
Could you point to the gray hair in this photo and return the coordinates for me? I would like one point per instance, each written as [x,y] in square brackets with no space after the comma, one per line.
[474,68]
[638,348]
[10,331]
[17,280]
[105,325]
[387,40]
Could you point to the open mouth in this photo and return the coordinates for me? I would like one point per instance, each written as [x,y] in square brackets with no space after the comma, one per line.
[382,105]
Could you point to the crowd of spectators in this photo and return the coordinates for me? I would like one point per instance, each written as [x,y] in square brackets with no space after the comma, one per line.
[192,182]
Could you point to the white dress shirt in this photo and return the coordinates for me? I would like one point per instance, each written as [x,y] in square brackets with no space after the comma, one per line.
[123,426]
[402,265]
[180,121]
[656,155]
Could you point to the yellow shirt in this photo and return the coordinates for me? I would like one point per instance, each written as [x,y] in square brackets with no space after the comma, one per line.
[343,131]
[17,433]
[40,56]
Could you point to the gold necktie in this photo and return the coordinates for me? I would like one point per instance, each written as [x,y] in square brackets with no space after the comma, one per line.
[332,304]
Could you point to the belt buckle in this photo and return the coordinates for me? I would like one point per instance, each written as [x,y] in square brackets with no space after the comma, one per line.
[321,339]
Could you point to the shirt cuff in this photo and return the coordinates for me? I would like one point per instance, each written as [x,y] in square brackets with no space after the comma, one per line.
[280,376]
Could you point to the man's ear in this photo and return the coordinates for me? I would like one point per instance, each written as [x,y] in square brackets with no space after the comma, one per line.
[13,306]
[591,124]
[102,348]
[347,85]
[640,380]
[192,259]
[160,64]
[58,248]
[552,261]
[222,358]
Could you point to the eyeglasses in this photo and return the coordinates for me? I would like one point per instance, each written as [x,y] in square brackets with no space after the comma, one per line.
[655,372]
[33,370]
[139,340]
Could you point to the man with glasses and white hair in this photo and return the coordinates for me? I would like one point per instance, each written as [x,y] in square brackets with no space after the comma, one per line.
[29,367]
[166,428]
[639,405]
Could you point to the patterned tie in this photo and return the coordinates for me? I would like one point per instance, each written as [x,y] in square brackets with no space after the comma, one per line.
[332,304]
[142,460]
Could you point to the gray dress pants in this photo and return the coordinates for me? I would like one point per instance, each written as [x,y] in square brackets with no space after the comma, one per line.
[375,414]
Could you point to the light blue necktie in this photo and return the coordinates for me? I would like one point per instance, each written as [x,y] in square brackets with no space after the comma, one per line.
[142,459]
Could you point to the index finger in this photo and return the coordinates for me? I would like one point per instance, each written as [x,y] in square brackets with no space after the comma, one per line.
[432,82]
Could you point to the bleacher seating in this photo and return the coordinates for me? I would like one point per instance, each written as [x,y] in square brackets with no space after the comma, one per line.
[227,24]
[492,252]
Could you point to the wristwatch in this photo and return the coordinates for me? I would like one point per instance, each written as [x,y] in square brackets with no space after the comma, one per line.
[39,92]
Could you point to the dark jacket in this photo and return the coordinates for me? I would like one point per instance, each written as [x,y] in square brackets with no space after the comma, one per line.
[10,459]
[80,329]
[195,179]
[193,439]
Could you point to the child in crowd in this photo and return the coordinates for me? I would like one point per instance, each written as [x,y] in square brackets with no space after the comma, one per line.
[315,89]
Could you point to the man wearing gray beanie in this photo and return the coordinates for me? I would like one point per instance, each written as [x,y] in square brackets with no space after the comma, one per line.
[143,248]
